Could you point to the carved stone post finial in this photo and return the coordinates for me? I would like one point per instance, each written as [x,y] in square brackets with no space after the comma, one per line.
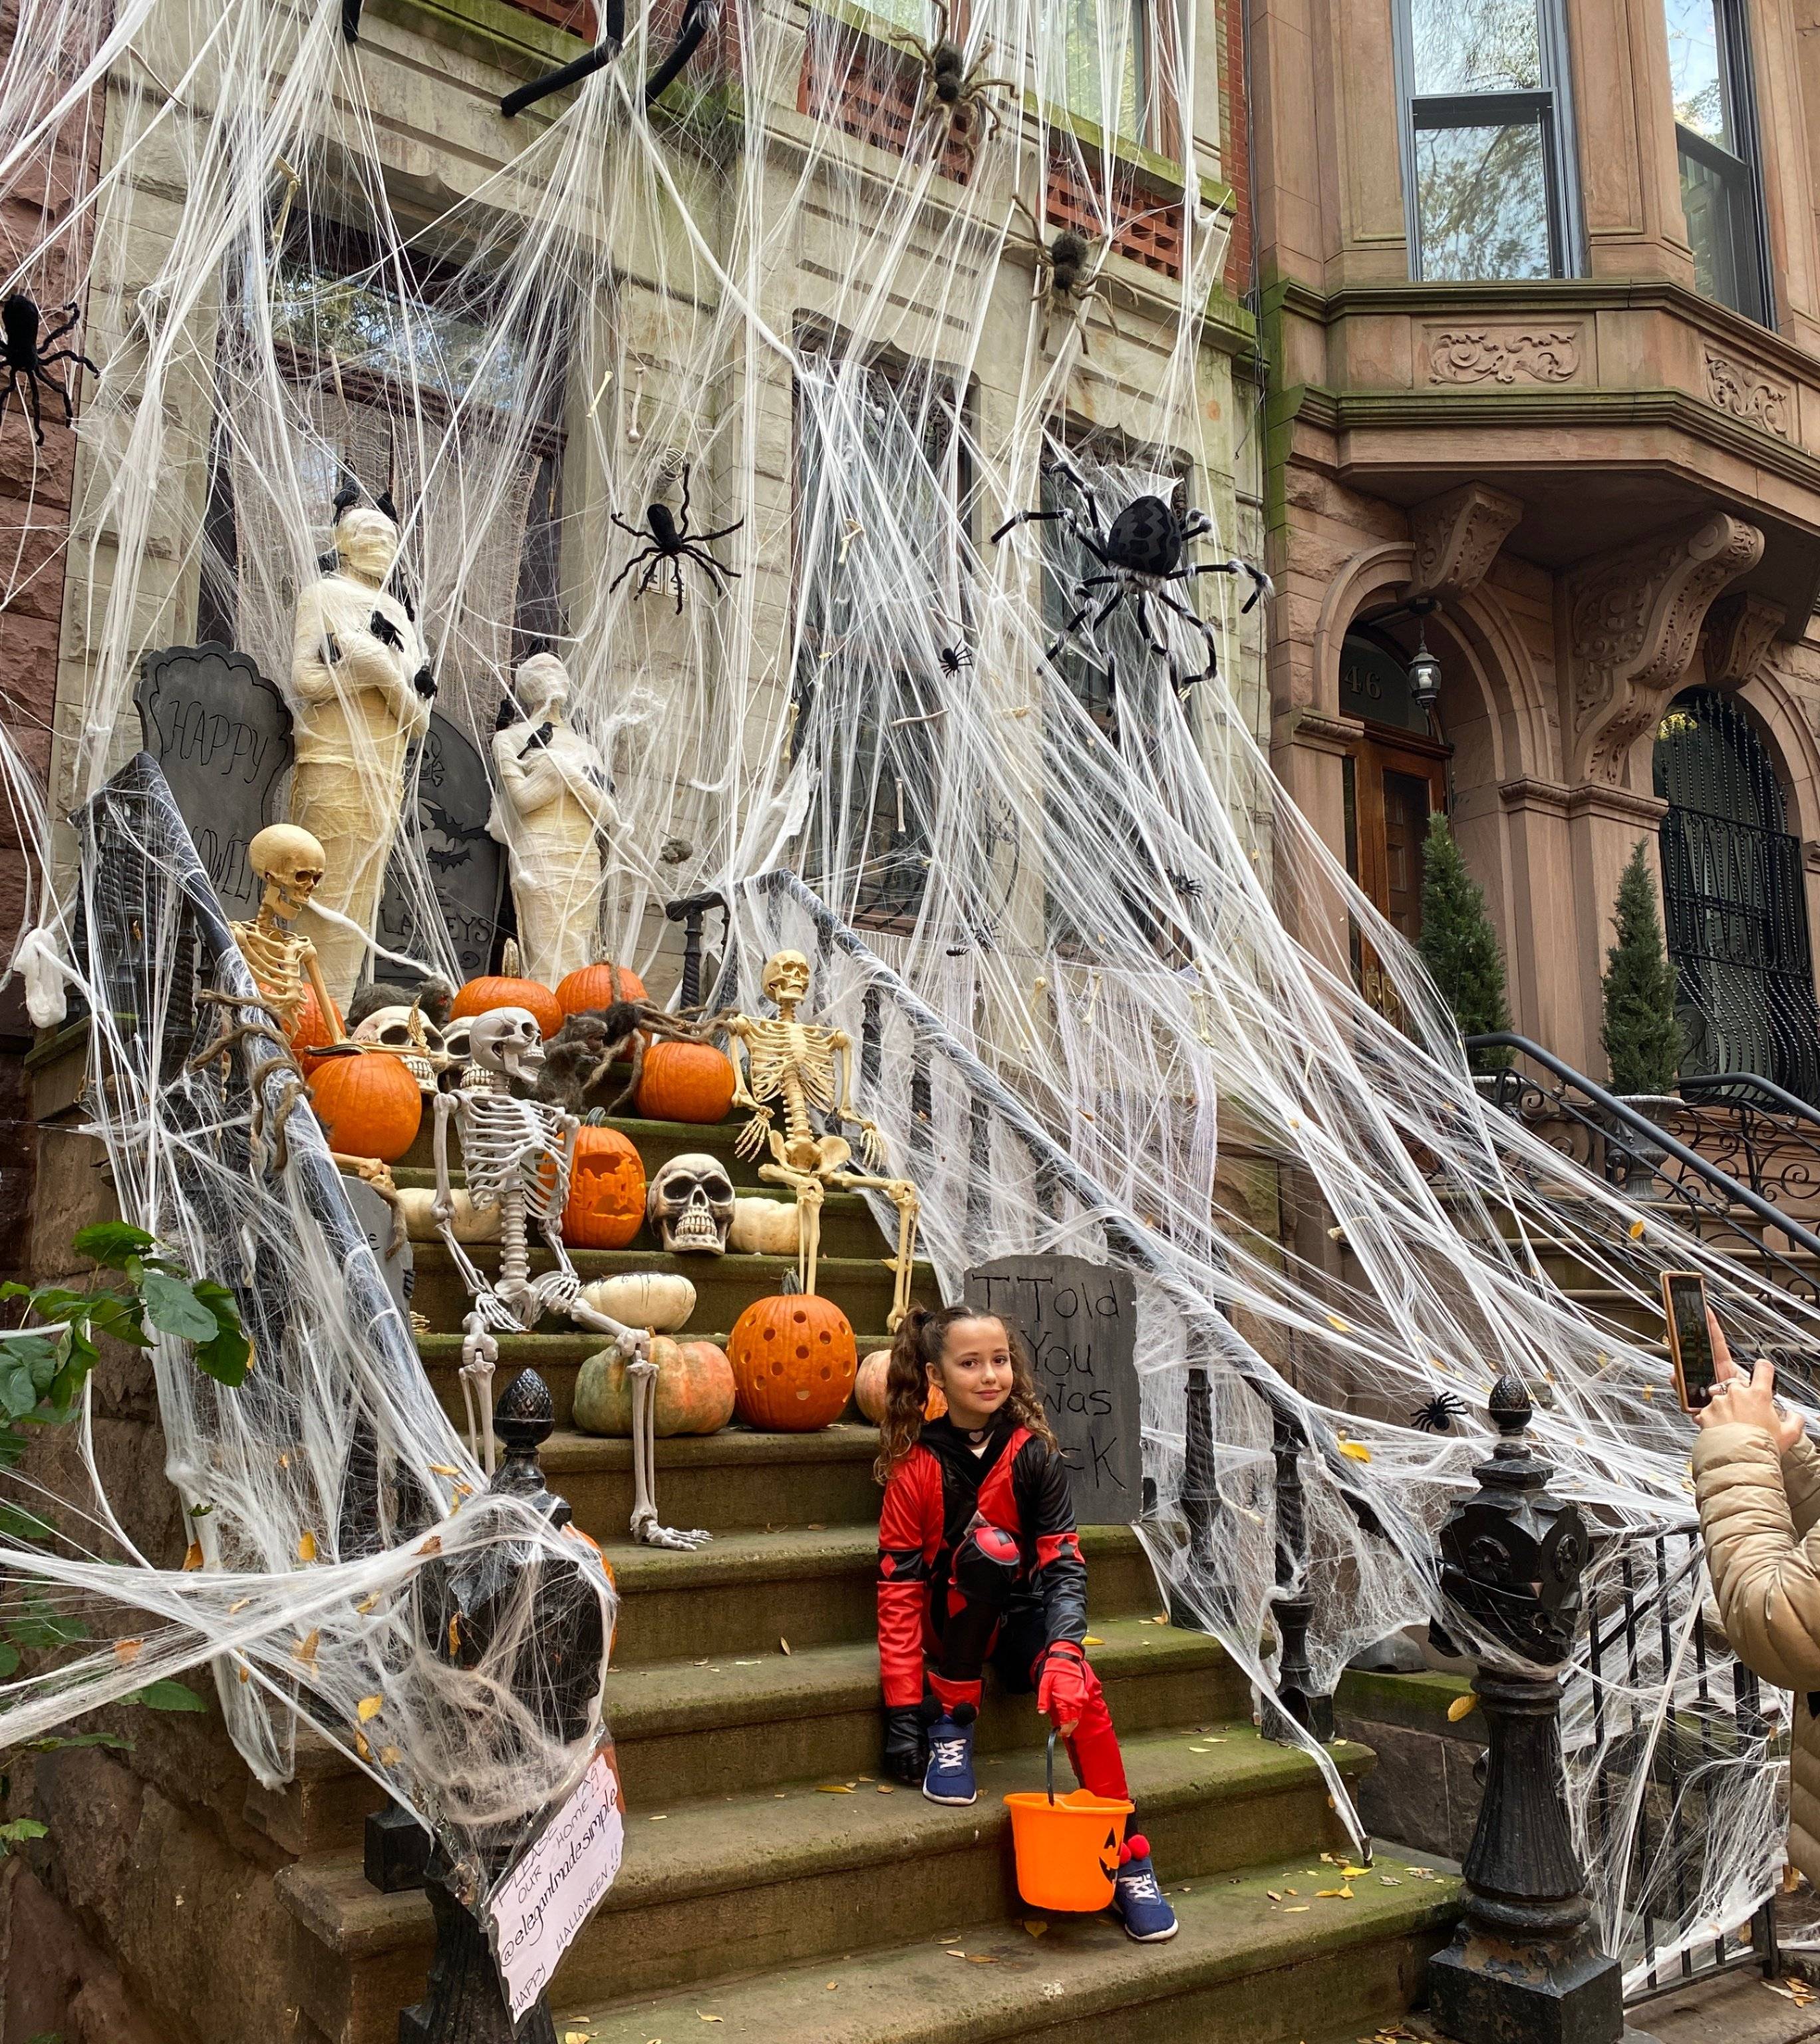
[1522,1968]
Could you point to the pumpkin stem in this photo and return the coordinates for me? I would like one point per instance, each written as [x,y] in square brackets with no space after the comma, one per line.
[790,1282]
[509,960]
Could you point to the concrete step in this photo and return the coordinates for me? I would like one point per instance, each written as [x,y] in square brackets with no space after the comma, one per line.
[557,1359]
[684,1729]
[724,1285]
[656,1143]
[814,1586]
[847,1227]
[1242,1970]
[735,1480]
[744,1882]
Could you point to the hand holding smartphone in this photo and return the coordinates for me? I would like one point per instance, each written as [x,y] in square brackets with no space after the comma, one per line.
[1690,1338]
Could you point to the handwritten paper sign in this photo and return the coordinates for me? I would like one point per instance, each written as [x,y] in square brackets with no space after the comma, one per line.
[544,1899]
[1079,1321]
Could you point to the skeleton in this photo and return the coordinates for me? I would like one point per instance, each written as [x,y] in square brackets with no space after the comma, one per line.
[518,1155]
[690,1205]
[407,1034]
[789,1065]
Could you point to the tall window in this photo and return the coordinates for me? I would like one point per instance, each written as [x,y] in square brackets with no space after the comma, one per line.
[1487,160]
[1715,136]
[1108,63]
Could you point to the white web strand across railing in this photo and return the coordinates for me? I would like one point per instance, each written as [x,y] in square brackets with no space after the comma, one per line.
[1079,866]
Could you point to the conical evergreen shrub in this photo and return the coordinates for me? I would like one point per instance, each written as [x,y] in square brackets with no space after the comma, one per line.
[1642,1038]
[1459,946]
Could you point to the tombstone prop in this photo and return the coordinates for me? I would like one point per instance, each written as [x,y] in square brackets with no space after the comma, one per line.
[220,732]
[1079,1321]
[466,866]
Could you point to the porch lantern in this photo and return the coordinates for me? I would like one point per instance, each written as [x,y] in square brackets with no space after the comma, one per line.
[1424,669]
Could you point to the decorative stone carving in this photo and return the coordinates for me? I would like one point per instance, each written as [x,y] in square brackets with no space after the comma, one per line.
[1745,391]
[1503,354]
[1740,632]
[1633,616]
[1458,536]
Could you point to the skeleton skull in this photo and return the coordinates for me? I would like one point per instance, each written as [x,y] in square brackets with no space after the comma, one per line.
[404,1032]
[459,1051]
[291,861]
[507,1040]
[690,1204]
[786,976]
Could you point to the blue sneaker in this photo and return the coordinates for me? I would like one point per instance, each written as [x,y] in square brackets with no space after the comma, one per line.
[1138,1901]
[949,1777]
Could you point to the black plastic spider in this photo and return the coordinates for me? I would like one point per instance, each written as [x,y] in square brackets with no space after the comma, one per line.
[1438,1415]
[669,543]
[25,352]
[953,658]
[1141,551]
[954,85]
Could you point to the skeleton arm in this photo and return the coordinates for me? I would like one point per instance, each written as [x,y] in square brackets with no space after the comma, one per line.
[871,1142]
[442,1206]
[326,1007]
[752,1137]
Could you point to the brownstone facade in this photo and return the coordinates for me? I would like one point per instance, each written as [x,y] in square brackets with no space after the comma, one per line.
[1605,480]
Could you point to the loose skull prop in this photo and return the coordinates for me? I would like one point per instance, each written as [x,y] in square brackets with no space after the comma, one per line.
[690,1205]
[518,1155]
[406,1033]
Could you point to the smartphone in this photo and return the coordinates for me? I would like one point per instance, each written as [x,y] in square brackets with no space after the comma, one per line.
[1690,1338]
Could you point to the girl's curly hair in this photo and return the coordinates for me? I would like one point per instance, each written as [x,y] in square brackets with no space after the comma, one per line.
[919,1345]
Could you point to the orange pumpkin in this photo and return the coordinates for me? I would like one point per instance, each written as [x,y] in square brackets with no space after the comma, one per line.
[694,1390]
[592,987]
[794,1359]
[310,1029]
[505,989]
[605,1207]
[369,1106]
[686,1082]
[869,1388]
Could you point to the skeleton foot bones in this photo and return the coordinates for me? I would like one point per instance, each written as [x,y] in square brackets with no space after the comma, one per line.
[518,1155]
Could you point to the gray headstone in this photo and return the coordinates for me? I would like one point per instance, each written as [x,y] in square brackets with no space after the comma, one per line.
[1079,1322]
[467,868]
[221,733]
[374,1217]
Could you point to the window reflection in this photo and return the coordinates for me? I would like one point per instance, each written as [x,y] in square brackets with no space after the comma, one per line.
[1484,203]
[1493,46]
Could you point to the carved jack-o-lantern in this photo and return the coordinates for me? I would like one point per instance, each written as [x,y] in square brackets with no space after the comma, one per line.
[605,1207]
[794,1359]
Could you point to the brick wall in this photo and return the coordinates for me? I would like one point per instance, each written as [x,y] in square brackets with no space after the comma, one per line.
[1235,143]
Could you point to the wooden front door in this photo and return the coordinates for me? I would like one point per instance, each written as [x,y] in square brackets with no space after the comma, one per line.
[1395,782]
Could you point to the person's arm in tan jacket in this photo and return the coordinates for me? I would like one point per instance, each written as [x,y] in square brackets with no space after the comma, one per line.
[1801,1479]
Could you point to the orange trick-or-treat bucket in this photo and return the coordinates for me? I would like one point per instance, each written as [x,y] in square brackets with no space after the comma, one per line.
[1067,1847]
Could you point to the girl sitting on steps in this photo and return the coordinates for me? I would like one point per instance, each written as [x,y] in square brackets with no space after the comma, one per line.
[978,1560]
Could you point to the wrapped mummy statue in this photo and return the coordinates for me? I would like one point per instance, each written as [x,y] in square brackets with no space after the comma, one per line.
[361,688]
[801,1070]
[549,806]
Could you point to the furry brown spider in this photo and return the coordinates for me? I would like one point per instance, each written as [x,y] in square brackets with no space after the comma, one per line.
[954,87]
[1068,273]
[584,1050]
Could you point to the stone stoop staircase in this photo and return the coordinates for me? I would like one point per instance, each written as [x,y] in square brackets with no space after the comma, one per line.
[771,1878]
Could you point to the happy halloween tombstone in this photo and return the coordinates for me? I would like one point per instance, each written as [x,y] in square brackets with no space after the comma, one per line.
[1079,1321]
[220,732]
[466,866]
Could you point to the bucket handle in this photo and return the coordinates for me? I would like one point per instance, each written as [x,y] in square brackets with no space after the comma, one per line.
[1050,1764]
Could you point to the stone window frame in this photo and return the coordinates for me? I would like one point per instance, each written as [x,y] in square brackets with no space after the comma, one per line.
[1551,107]
[1742,173]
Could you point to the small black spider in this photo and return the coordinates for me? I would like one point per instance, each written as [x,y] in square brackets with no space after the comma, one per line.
[26,352]
[670,543]
[953,658]
[1185,885]
[1141,551]
[1438,1415]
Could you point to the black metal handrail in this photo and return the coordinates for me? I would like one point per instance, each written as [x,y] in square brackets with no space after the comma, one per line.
[1625,1145]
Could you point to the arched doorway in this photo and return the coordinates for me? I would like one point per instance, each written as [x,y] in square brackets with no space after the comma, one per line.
[1733,903]
[1394,775]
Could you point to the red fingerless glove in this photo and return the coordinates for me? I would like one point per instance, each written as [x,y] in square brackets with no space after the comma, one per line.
[1061,1689]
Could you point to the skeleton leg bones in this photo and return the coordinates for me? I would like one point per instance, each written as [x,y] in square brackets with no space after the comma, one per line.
[641,1374]
[479,1357]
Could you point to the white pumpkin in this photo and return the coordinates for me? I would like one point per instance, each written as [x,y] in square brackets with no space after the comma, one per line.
[659,1299]
[763,1227]
[469,1224]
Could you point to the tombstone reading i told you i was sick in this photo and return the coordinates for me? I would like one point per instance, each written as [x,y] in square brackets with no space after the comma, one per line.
[1079,1321]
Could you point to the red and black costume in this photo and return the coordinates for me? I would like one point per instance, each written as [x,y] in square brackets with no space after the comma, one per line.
[978,1560]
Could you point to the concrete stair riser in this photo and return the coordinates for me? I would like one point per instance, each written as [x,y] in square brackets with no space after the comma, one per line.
[717,1890]
[656,1143]
[732,1482]
[724,1286]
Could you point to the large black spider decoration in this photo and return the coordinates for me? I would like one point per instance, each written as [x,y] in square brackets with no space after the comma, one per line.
[27,354]
[952,89]
[1068,269]
[1142,553]
[1437,1415]
[668,544]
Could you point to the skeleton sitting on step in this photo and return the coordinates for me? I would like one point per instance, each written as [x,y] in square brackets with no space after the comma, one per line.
[518,1155]
[804,1068]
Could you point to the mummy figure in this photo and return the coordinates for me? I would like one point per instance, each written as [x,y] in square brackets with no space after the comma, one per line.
[518,1155]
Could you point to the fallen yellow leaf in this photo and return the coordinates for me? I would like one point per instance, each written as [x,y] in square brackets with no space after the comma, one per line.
[238,1605]
[361,1747]
[432,1546]
[1637,1229]
[244,1673]
[443,1469]
[390,1756]
[1092,1640]
[454,1632]
[306,1547]
[1035,1926]
[1354,1873]
[886,1788]
[1355,1451]
[1329,1894]
[1462,1707]
[305,1649]
[369,1707]
[1297,1909]
[366,1604]
[981,1959]
[710,2019]
[126,1651]
[1338,1326]
[834,1789]
[193,1556]
[783,1645]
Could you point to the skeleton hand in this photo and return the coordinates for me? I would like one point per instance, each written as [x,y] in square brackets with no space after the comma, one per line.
[635,1346]
[752,1137]
[871,1145]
